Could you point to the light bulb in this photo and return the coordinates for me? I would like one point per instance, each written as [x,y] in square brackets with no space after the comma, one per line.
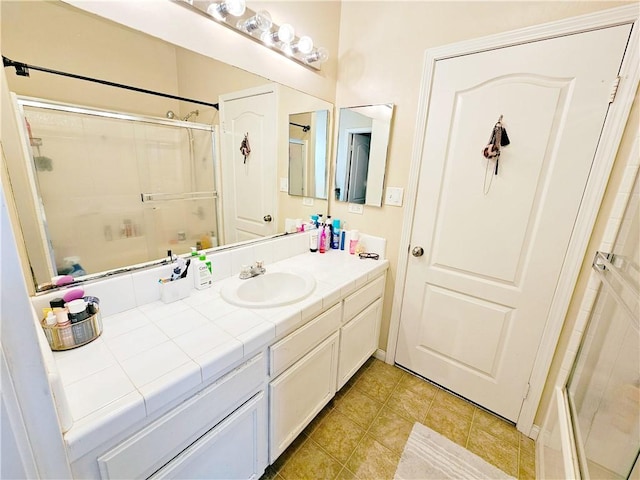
[220,10]
[319,55]
[286,33]
[260,21]
[304,45]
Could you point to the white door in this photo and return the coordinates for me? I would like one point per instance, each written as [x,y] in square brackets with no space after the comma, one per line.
[359,146]
[476,302]
[297,167]
[248,182]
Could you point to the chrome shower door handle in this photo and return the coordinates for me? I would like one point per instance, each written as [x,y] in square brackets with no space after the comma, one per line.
[417,251]
[267,218]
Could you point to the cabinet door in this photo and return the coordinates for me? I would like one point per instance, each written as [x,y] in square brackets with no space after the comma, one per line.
[358,341]
[300,392]
[234,449]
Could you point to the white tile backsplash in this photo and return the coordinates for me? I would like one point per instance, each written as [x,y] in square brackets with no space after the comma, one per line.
[116,294]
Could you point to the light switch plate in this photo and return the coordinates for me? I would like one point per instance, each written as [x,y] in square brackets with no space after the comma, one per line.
[393,196]
[308,201]
[284,184]
[356,208]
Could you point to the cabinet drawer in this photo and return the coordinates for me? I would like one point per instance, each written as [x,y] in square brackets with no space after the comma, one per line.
[155,445]
[358,341]
[287,351]
[356,302]
[236,448]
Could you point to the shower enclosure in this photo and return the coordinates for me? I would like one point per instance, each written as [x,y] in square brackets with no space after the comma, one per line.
[113,189]
[593,430]
[603,390]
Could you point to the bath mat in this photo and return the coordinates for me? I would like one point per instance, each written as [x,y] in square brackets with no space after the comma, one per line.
[428,455]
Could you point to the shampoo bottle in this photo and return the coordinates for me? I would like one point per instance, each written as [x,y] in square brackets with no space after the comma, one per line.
[323,239]
[203,273]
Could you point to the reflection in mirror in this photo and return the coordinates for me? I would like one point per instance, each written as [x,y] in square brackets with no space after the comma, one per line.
[308,152]
[131,188]
[64,38]
[363,138]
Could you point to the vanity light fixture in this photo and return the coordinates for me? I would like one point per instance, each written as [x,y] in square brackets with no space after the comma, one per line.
[259,27]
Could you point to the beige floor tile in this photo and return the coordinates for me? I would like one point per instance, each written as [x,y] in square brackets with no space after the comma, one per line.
[496,426]
[417,385]
[372,460]
[377,383]
[310,462]
[411,405]
[321,416]
[448,423]
[453,403]
[345,474]
[527,458]
[338,435]
[359,407]
[391,430]
[390,373]
[498,452]
[288,453]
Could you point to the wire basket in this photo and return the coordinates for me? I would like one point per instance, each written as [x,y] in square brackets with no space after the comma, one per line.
[76,334]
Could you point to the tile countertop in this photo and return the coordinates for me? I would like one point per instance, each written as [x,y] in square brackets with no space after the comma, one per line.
[152,355]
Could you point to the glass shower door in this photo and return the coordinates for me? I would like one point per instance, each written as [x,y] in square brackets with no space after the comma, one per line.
[604,387]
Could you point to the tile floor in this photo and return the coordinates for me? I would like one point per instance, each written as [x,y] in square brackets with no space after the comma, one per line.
[361,433]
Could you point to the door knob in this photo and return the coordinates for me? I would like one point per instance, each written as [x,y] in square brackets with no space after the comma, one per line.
[417,251]
[267,218]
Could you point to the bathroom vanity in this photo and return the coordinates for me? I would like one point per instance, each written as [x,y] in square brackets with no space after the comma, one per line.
[230,411]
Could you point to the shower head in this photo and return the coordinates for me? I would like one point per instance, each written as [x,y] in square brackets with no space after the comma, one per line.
[170,114]
[191,114]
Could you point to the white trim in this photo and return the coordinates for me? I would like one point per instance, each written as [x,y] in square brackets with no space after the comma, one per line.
[380,354]
[596,185]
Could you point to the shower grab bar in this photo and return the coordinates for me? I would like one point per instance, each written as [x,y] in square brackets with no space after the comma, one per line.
[154,197]
[601,265]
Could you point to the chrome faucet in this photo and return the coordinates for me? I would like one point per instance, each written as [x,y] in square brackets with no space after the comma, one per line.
[252,271]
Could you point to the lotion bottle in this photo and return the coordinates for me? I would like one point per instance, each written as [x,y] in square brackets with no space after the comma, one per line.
[353,243]
[313,238]
[203,273]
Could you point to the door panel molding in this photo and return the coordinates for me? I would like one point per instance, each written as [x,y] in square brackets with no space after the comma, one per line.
[594,192]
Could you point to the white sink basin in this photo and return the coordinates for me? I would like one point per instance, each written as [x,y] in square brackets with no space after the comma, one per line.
[272,289]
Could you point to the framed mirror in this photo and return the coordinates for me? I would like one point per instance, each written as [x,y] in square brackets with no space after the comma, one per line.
[72,40]
[361,156]
[308,154]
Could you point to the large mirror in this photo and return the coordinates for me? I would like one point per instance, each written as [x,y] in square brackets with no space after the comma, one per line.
[64,38]
[361,157]
[308,154]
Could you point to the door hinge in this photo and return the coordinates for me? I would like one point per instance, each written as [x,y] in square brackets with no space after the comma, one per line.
[526,391]
[614,89]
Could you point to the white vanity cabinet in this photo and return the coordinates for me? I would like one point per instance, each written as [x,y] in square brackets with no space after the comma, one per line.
[304,366]
[360,329]
[308,366]
[221,432]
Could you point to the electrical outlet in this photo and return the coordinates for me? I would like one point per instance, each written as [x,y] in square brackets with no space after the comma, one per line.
[284,184]
[308,201]
[356,208]
[393,196]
